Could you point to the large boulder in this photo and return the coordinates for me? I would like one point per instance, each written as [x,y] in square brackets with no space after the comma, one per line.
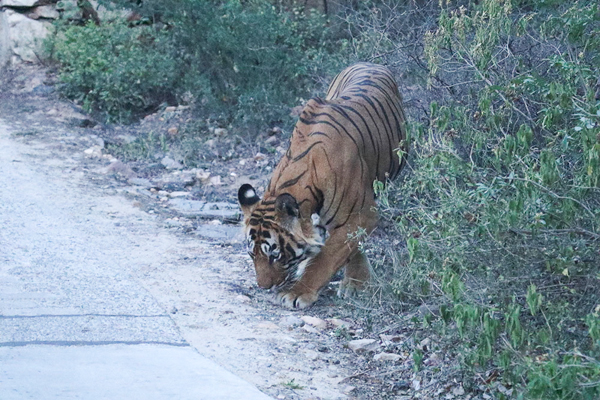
[21,38]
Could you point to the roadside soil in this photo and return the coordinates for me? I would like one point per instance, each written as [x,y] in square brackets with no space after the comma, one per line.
[209,287]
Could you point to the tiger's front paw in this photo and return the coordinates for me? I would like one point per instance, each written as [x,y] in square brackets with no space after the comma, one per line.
[297,301]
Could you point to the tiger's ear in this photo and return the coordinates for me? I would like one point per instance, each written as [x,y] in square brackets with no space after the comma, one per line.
[247,198]
[287,209]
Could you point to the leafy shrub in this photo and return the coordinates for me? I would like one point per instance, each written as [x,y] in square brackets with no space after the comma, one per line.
[501,208]
[118,71]
[245,61]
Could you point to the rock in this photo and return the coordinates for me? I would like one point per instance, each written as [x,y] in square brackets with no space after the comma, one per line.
[119,168]
[220,132]
[21,38]
[424,344]
[312,355]
[170,109]
[340,323]
[310,329]
[314,321]
[290,322]
[94,152]
[169,163]
[271,140]
[260,157]
[363,345]
[387,357]
[215,180]
[459,391]
[127,139]
[390,339]
[275,131]
[19,3]
[242,298]
[178,194]
[416,384]
[47,11]
[172,131]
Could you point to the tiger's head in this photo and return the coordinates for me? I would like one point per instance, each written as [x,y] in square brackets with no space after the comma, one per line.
[281,240]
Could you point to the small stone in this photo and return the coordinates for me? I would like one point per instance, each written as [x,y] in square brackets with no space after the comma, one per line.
[242,162]
[172,131]
[310,329]
[312,355]
[171,109]
[169,163]
[275,131]
[220,132]
[290,322]
[416,384]
[119,168]
[363,345]
[389,339]
[242,298]
[340,323]
[260,157]
[424,344]
[94,152]
[215,180]
[271,140]
[316,322]
[178,194]
[459,390]
[215,222]
[387,357]
[280,149]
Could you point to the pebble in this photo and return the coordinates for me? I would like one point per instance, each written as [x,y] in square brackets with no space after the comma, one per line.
[363,345]
[94,151]
[178,194]
[171,109]
[169,163]
[120,168]
[310,329]
[260,157]
[340,323]
[243,298]
[220,132]
[387,357]
[314,321]
[172,131]
[290,322]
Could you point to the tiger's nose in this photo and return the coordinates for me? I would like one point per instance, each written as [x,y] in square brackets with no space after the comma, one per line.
[264,282]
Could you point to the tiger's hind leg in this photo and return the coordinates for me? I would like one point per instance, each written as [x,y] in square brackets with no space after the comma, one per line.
[356,274]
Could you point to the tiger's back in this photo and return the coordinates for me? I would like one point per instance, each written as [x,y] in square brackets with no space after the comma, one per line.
[323,186]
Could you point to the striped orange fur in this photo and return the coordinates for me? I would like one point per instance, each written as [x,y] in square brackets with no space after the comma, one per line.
[321,192]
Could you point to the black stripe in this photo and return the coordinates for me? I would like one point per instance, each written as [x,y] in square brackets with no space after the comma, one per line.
[291,182]
[305,152]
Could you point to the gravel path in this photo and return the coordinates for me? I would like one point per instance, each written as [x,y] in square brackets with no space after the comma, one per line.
[75,322]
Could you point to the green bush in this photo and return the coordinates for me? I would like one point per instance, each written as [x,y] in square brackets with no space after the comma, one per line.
[247,62]
[113,69]
[501,208]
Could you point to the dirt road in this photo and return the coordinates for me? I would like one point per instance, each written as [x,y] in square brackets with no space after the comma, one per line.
[83,264]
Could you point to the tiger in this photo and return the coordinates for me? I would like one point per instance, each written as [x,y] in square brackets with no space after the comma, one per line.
[321,192]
